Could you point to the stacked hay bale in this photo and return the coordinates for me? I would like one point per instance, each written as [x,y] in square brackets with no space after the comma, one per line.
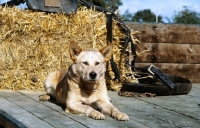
[33,44]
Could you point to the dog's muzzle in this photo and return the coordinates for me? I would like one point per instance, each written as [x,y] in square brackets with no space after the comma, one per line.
[93,75]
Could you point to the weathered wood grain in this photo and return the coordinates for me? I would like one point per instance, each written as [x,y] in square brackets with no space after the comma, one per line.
[167,33]
[169,53]
[20,114]
[173,103]
[174,48]
[189,71]
[164,117]
[195,92]
[40,112]
[108,122]
[159,112]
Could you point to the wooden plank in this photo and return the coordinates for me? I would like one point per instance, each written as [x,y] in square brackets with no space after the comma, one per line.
[139,111]
[143,112]
[166,33]
[195,91]
[7,121]
[40,112]
[108,122]
[193,97]
[170,43]
[184,107]
[189,71]
[154,115]
[169,53]
[20,114]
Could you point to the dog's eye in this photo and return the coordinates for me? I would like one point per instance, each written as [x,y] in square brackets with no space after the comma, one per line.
[97,63]
[85,63]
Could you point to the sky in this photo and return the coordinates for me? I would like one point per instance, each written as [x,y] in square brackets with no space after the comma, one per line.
[165,8]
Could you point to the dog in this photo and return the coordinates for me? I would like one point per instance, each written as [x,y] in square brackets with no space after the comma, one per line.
[82,88]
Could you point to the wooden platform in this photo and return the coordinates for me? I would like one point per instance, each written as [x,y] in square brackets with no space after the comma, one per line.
[23,109]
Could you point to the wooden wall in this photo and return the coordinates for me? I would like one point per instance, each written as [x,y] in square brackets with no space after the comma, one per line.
[173,48]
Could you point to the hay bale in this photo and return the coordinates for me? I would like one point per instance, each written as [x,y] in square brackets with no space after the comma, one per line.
[33,44]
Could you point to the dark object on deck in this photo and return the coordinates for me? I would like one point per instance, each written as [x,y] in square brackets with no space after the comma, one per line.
[149,85]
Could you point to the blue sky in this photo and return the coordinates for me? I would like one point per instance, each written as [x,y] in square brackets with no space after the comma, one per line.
[165,8]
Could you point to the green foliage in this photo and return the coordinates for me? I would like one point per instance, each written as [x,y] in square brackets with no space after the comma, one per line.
[146,16]
[108,4]
[187,16]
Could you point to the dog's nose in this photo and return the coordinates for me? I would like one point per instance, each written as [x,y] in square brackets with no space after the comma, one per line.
[93,75]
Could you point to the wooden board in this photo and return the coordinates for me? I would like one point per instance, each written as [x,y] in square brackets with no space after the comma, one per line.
[189,71]
[167,33]
[169,111]
[174,48]
[186,107]
[169,53]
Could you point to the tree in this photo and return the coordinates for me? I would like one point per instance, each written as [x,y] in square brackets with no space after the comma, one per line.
[127,16]
[146,16]
[168,20]
[108,4]
[187,16]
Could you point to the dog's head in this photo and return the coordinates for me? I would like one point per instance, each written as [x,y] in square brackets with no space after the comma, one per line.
[90,65]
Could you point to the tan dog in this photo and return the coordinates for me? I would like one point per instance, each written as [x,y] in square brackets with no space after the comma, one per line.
[82,87]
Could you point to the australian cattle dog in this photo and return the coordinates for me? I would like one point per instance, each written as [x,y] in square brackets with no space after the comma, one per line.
[82,88]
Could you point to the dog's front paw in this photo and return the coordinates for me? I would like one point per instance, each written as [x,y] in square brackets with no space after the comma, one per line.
[97,115]
[44,97]
[120,116]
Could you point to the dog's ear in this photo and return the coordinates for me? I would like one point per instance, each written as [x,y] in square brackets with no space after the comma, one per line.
[106,52]
[74,50]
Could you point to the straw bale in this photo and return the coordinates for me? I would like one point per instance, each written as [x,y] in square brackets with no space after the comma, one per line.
[33,44]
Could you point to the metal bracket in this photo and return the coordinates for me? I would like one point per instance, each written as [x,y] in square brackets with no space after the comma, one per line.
[149,69]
